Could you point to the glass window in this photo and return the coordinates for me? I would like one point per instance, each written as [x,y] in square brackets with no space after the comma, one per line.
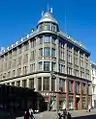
[47,52]
[61,84]
[53,52]
[47,27]
[40,65]
[18,83]
[46,83]
[47,39]
[24,83]
[53,40]
[41,40]
[39,83]
[53,28]
[41,52]
[53,84]
[46,66]
[31,83]
[53,66]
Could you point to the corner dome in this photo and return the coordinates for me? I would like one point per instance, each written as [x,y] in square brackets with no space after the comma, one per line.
[47,17]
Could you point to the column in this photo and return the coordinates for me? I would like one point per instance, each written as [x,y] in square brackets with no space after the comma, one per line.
[57,84]
[20,83]
[27,83]
[86,95]
[36,57]
[57,101]
[74,92]
[65,58]
[57,92]
[67,94]
[57,55]
[42,84]
[73,61]
[80,96]
[50,83]
[29,54]
[49,99]
[79,61]
[36,83]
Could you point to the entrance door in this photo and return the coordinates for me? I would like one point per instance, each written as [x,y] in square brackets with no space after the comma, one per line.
[77,102]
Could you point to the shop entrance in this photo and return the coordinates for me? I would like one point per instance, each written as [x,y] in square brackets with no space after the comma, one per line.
[77,102]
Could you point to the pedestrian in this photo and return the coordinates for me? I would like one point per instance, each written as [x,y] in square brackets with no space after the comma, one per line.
[26,114]
[89,108]
[69,115]
[31,116]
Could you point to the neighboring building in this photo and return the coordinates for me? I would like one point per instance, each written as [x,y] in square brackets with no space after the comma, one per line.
[52,62]
[93,79]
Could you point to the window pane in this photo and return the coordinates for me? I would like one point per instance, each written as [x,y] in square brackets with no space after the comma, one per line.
[46,39]
[46,66]
[53,52]
[47,52]
[41,52]
[53,66]
[31,83]
[46,83]
[40,65]
[39,83]
[53,84]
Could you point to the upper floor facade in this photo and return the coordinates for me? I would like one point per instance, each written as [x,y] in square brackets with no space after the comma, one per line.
[45,49]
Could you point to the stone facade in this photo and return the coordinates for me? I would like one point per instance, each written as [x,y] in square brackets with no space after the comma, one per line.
[93,79]
[51,62]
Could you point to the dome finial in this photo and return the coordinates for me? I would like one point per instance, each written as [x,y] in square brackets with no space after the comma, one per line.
[47,7]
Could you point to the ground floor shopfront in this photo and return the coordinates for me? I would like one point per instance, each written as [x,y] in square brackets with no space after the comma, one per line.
[59,90]
[94,100]
[59,101]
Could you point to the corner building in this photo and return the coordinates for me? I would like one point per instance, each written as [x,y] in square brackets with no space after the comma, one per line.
[93,79]
[51,62]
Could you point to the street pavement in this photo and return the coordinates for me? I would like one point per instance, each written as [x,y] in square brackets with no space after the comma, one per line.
[75,115]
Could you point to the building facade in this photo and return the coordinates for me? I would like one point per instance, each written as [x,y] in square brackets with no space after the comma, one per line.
[93,79]
[51,62]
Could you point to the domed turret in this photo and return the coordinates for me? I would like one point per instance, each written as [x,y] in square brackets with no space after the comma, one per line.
[47,23]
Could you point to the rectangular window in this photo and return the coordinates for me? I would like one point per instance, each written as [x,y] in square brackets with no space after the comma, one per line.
[46,66]
[18,71]
[46,39]
[53,84]
[40,65]
[70,86]
[26,46]
[53,66]
[46,83]
[32,56]
[20,49]
[25,69]
[41,52]
[24,83]
[25,60]
[18,83]
[19,60]
[32,67]
[13,83]
[39,84]
[47,52]
[13,73]
[62,85]
[53,52]
[8,74]
[31,83]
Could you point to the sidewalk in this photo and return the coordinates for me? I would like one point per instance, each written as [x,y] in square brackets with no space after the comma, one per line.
[53,115]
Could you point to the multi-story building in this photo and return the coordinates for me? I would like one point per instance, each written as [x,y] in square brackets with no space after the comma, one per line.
[93,79]
[52,62]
